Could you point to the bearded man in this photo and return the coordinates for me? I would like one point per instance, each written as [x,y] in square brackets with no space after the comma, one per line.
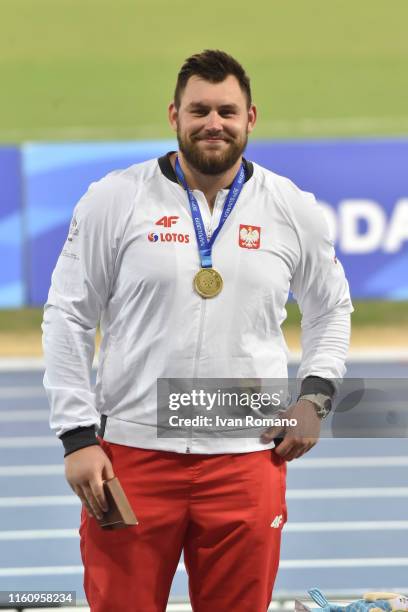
[186,262]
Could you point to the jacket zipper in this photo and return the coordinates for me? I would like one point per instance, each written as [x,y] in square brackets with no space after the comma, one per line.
[200,336]
[196,358]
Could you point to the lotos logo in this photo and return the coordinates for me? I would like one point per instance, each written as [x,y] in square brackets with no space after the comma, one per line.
[167,221]
[249,236]
[169,237]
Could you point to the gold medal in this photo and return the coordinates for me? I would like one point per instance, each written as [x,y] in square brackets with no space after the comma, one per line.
[208,282]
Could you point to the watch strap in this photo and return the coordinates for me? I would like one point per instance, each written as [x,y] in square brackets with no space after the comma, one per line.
[322,403]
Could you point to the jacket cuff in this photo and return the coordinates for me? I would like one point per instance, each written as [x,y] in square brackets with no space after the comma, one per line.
[315,384]
[78,438]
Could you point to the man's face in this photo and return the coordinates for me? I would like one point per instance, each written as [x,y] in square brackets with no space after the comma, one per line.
[212,124]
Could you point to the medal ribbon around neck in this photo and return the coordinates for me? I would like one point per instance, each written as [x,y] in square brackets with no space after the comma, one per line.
[208,282]
[205,245]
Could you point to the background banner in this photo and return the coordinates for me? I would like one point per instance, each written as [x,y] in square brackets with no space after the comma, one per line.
[56,177]
[361,185]
[12,285]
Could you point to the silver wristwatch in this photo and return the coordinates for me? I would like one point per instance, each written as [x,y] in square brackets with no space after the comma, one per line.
[322,403]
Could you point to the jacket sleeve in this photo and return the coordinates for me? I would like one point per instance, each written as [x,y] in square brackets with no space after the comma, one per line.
[80,287]
[320,287]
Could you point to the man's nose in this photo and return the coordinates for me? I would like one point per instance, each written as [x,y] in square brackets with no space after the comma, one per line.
[214,121]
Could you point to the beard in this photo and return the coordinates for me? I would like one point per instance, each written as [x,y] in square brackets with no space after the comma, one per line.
[211,162]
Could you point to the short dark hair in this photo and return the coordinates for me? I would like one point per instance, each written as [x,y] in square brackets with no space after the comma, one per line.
[214,66]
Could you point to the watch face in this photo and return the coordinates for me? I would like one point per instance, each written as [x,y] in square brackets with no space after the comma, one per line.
[327,404]
[322,403]
[326,407]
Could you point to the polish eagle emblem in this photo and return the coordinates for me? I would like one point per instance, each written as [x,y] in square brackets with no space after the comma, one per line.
[249,236]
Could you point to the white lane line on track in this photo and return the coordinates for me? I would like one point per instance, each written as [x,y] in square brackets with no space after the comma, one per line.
[305,464]
[332,526]
[368,354]
[31,470]
[21,392]
[355,493]
[27,416]
[175,607]
[38,534]
[41,571]
[307,527]
[274,606]
[17,364]
[39,501]
[279,603]
[66,609]
[341,462]
[171,607]
[284,564]
[29,441]
[180,607]
[374,492]
[330,563]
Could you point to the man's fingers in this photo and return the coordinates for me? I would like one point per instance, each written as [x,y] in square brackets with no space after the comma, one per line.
[292,448]
[108,473]
[269,434]
[85,471]
[285,447]
[87,497]
[99,495]
[78,491]
[294,453]
[300,451]
[92,501]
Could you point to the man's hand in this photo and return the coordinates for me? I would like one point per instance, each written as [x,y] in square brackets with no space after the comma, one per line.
[85,471]
[299,439]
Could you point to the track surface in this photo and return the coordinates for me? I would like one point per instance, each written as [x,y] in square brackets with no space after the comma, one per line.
[347,504]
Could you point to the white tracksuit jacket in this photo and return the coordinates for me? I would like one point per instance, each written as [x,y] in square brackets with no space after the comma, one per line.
[119,267]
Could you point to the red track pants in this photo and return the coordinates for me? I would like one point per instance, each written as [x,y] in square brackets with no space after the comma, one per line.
[226,512]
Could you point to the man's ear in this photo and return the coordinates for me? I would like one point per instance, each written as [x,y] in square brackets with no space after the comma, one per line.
[252,117]
[173,114]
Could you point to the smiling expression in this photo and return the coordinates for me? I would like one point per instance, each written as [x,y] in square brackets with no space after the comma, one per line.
[212,123]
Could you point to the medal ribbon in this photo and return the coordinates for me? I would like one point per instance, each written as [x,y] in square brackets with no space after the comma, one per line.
[205,245]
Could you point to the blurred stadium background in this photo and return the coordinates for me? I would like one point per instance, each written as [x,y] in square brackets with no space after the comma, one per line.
[84,90]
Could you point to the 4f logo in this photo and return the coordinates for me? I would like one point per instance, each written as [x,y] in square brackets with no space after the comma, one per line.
[167,221]
[168,236]
[277,521]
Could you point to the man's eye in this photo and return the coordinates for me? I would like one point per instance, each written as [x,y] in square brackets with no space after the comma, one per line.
[199,113]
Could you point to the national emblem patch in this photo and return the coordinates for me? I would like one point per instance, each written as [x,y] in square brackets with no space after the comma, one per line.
[249,236]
